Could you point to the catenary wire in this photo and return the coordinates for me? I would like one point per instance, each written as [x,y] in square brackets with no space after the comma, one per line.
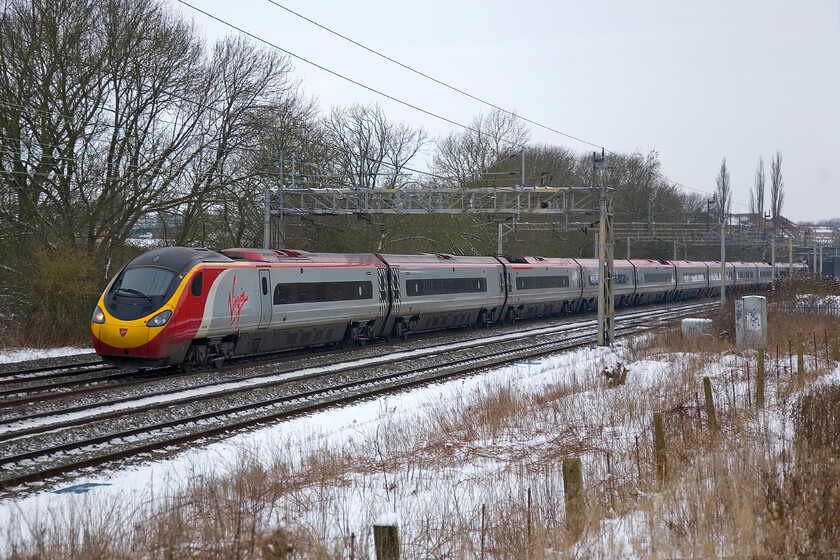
[400,101]
[432,78]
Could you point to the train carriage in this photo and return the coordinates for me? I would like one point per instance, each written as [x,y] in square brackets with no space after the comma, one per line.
[624,282]
[175,305]
[746,275]
[765,275]
[655,280]
[692,279]
[440,291]
[541,286]
[304,298]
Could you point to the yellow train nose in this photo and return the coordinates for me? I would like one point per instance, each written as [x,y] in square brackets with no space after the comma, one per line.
[124,334]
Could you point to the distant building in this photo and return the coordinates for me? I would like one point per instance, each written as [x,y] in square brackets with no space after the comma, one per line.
[749,223]
[816,234]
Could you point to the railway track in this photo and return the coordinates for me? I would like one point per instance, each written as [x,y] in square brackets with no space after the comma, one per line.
[45,373]
[49,444]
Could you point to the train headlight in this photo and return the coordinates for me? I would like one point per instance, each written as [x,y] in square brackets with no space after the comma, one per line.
[160,319]
[98,316]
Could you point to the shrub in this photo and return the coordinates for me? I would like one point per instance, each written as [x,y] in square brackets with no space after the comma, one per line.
[49,297]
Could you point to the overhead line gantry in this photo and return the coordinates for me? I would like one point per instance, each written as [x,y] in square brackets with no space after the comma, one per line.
[573,203]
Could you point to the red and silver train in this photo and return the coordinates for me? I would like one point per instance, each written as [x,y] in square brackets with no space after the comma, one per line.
[193,307]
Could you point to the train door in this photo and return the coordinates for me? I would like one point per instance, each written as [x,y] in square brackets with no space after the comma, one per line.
[265,299]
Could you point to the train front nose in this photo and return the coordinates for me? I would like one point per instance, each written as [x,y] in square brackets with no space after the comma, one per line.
[121,338]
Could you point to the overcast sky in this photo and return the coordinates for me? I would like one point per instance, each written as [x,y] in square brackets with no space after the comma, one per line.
[694,81]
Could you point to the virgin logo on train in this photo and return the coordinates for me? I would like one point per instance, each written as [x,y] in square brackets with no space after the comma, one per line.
[236,303]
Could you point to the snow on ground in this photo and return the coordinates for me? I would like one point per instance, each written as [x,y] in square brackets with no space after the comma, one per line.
[415,354]
[362,502]
[316,432]
[26,354]
[812,300]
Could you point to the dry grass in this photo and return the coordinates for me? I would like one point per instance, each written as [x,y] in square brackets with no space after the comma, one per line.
[480,472]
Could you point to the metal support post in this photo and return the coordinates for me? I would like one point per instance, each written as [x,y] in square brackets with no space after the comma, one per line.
[773,260]
[281,244]
[723,263]
[267,218]
[790,257]
[501,240]
[606,304]
[821,260]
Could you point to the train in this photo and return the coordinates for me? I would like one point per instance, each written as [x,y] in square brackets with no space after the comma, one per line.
[194,307]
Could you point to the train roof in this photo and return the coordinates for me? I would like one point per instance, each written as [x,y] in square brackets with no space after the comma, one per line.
[687,263]
[538,261]
[431,259]
[295,257]
[178,258]
[595,263]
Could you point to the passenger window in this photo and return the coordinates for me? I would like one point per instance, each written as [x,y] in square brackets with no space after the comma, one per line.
[197,282]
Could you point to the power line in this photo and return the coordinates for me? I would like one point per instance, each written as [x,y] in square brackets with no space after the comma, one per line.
[405,103]
[333,72]
[435,80]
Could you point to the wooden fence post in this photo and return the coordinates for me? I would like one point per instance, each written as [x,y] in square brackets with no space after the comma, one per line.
[659,447]
[800,359]
[759,380]
[575,505]
[710,404]
[386,541]
[835,343]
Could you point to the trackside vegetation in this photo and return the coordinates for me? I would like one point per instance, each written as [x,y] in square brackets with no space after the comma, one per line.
[481,467]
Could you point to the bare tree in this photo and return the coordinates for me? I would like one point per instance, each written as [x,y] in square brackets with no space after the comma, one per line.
[461,158]
[111,111]
[777,193]
[242,82]
[102,109]
[368,150]
[757,196]
[723,192]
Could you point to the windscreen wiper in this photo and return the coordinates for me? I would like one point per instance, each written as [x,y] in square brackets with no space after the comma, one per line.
[133,292]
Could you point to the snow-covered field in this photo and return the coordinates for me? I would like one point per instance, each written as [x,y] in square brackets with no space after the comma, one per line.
[404,437]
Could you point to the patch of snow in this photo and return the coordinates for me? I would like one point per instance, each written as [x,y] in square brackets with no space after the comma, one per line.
[26,354]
